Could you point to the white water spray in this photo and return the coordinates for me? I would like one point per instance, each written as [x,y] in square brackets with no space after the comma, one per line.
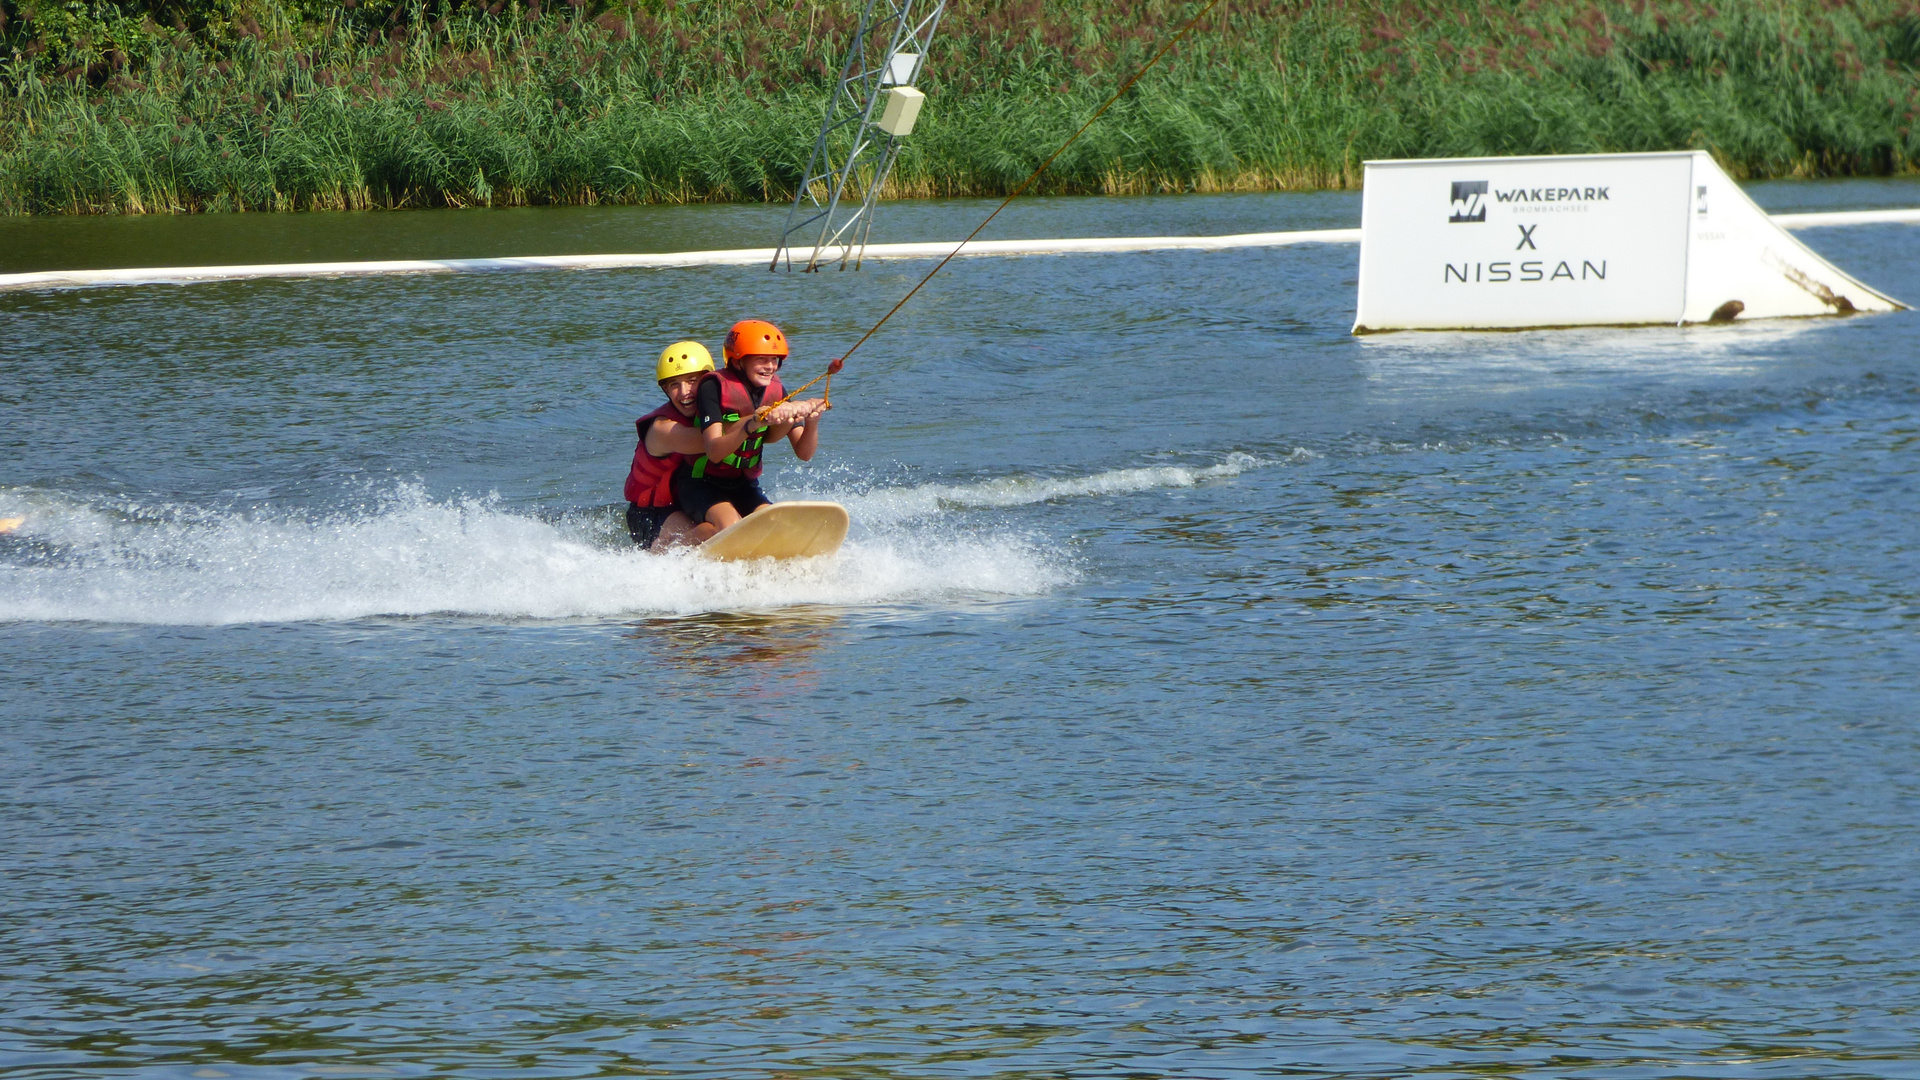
[410,555]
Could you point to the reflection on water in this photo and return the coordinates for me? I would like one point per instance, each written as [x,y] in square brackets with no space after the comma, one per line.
[79,243]
[1645,351]
[717,641]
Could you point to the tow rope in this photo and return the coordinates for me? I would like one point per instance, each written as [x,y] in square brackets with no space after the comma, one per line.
[834,367]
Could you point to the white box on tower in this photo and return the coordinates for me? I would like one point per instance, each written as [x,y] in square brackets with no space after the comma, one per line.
[902,109]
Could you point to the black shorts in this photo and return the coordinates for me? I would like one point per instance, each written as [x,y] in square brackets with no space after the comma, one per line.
[698,495]
[643,522]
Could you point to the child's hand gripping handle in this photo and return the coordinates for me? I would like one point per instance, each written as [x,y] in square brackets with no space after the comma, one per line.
[760,414]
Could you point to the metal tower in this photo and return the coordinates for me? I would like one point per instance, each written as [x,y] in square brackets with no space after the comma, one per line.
[855,149]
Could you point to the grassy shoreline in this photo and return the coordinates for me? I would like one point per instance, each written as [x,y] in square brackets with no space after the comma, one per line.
[269,107]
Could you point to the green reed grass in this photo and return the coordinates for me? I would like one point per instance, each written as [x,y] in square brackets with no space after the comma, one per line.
[410,105]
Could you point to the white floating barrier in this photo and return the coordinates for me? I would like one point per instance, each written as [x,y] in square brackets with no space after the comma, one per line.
[1585,240]
[179,275]
[182,275]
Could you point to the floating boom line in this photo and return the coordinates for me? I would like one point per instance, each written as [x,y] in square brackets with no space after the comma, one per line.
[47,280]
[187,275]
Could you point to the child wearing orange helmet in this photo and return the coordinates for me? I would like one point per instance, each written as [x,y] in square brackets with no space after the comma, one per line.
[722,485]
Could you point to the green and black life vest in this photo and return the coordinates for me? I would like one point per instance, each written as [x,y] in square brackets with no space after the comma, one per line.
[737,401]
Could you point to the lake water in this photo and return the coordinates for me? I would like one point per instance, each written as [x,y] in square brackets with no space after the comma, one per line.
[1203,692]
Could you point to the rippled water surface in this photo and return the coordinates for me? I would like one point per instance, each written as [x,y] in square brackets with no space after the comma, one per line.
[1203,692]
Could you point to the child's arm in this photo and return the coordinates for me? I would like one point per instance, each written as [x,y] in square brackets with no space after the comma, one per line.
[787,418]
[719,440]
[664,439]
[806,439]
[721,437]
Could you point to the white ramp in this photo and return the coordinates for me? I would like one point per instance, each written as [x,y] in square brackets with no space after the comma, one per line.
[1584,240]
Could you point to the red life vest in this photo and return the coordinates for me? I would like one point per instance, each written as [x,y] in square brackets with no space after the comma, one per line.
[737,402]
[650,481]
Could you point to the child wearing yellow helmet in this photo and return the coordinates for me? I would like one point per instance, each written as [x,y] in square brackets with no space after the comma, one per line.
[667,439]
[722,484]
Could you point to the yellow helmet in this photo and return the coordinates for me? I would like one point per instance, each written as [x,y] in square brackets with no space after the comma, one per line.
[682,357]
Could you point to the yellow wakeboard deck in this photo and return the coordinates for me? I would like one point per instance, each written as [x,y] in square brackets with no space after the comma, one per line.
[788,530]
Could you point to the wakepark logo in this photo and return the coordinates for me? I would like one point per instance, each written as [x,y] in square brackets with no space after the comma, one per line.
[1469,201]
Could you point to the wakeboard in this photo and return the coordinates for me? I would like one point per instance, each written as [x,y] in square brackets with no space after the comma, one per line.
[788,530]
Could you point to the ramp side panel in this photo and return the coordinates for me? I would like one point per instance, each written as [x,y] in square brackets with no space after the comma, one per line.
[1741,254]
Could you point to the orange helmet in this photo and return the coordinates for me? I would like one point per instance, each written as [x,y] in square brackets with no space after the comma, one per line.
[755,337]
